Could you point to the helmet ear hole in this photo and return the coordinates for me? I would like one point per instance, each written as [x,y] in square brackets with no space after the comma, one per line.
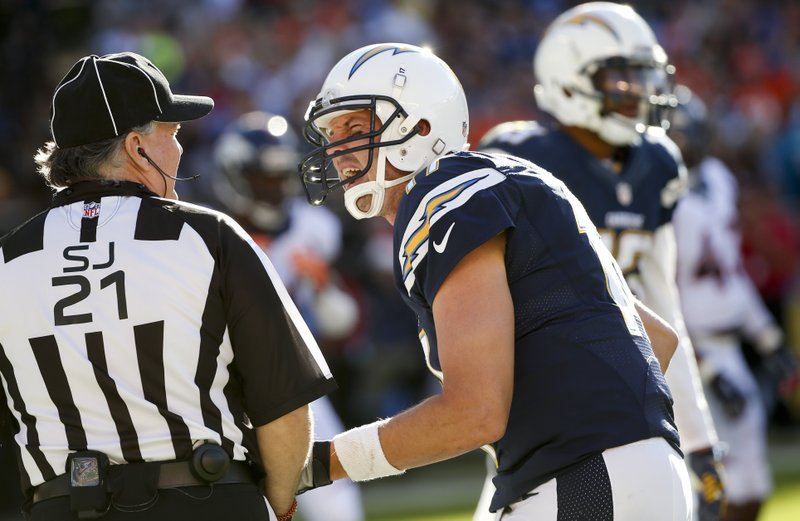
[424,127]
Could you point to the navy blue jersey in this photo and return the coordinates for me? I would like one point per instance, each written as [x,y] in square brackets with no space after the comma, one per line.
[586,378]
[626,206]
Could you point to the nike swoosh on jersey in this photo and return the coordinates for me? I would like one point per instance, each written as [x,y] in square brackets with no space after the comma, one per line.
[440,246]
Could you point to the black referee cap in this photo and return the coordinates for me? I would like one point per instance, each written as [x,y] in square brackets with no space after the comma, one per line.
[102,97]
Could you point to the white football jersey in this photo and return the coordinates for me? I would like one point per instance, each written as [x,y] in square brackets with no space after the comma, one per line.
[716,293]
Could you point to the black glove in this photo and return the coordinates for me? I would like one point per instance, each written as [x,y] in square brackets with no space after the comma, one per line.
[707,484]
[731,398]
[781,367]
[317,472]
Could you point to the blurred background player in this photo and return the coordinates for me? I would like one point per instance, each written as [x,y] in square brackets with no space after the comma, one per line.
[603,77]
[722,307]
[256,159]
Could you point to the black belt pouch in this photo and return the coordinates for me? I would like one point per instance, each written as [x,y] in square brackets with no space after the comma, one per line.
[134,487]
[88,483]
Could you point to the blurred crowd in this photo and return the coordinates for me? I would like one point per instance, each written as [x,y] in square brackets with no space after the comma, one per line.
[741,56]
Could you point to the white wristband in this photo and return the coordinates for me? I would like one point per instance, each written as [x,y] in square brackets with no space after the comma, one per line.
[361,455]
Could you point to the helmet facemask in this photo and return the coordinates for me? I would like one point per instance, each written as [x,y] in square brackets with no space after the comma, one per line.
[317,169]
[631,95]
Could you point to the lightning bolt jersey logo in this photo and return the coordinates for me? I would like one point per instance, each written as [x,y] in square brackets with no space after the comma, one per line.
[396,49]
[438,202]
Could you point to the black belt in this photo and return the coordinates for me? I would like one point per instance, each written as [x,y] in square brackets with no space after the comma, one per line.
[173,474]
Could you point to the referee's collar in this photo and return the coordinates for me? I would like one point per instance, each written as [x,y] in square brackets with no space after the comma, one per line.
[88,189]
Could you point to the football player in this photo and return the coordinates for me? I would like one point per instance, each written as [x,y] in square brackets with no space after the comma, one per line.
[523,313]
[603,81]
[722,306]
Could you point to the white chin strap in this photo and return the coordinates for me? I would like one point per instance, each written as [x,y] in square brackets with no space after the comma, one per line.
[376,189]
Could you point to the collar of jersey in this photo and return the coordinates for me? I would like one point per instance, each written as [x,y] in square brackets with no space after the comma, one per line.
[89,189]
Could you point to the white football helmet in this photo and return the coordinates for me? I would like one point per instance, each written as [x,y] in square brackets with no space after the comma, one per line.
[401,85]
[600,67]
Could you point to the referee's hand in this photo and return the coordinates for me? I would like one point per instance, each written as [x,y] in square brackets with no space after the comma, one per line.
[317,472]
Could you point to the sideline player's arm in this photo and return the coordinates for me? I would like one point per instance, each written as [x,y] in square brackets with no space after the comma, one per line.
[663,337]
[284,445]
[474,317]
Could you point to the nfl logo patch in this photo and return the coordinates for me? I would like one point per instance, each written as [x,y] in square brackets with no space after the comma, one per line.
[624,193]
[91,210]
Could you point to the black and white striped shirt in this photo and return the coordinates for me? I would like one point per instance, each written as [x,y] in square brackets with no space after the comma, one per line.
[136,326]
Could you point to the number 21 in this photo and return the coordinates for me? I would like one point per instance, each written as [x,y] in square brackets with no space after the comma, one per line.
[116,278]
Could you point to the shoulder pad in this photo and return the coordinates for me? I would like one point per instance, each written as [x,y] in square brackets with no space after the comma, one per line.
[511,132]
[657,136]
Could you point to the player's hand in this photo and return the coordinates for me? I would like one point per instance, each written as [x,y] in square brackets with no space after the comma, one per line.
[707,483]
[731,398]
[781,367]
[317,472]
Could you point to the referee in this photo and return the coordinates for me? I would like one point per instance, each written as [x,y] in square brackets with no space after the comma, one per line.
[153,363]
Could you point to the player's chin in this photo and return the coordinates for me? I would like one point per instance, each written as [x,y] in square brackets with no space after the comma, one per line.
[364,203]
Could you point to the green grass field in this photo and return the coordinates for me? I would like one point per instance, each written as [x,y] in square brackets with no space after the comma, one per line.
[784,505]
